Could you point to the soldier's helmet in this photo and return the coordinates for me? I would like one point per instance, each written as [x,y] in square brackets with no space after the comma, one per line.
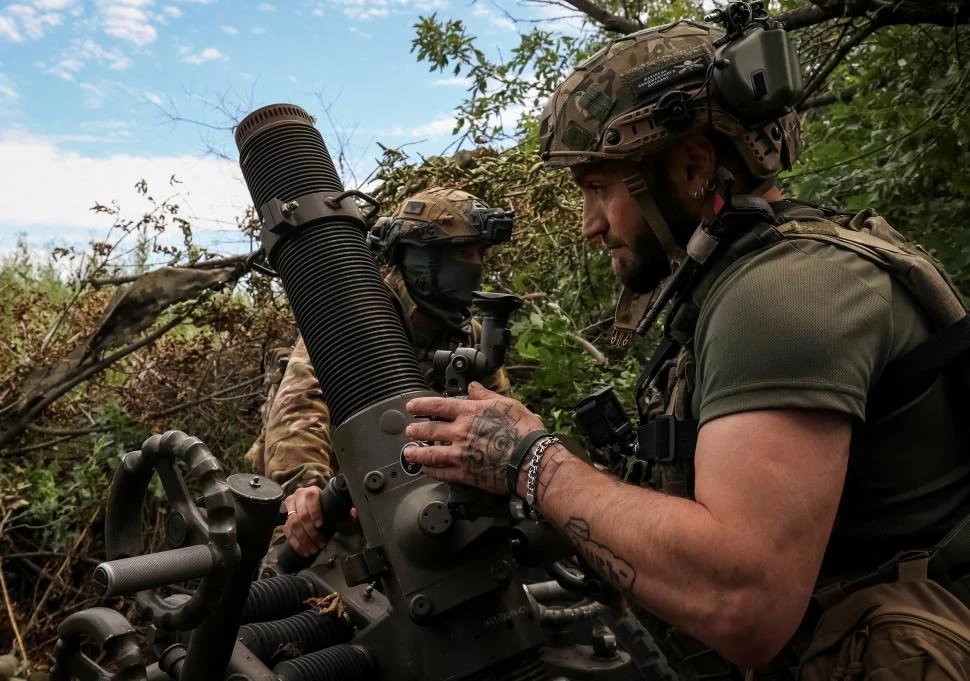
[440,216]
[646,90]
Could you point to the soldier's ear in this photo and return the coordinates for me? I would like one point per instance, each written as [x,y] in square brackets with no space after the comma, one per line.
[689,165]
[699,159]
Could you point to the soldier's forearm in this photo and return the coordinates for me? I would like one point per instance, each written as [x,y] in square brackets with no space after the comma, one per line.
[669,554]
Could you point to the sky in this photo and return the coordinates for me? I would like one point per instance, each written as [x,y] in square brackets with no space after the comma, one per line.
[97,94]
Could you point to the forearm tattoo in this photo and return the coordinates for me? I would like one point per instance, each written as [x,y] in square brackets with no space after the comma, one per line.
[600,556]
[547,471]
[490,444]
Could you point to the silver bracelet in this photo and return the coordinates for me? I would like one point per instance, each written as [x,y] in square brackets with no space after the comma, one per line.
[532,480]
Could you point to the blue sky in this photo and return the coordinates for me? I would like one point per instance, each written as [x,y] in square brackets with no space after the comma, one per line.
[88,88]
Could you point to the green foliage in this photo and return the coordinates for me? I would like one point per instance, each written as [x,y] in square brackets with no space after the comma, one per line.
[505,92]
[902,143]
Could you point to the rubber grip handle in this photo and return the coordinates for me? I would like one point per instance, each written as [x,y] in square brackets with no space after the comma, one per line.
[128,575]
[335,503]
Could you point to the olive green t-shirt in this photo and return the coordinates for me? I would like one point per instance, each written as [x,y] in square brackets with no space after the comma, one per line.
[803,324]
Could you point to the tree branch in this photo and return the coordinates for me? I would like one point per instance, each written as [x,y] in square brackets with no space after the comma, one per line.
[590,348]
[883,12]
[823,72]
[828,98]
[606,19]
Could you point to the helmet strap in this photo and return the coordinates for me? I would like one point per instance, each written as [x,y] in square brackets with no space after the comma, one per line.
[637,186]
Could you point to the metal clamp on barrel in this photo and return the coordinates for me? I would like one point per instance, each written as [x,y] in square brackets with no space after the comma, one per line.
[280,217]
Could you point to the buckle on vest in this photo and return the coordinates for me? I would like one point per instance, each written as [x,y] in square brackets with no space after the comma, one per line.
[661,436]
[661,439]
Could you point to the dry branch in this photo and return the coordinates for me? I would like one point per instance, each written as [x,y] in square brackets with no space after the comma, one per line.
[590,348]
[13,617]
[57,575]
[17,428]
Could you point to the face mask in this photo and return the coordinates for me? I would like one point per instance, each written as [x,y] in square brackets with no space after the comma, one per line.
[440,285]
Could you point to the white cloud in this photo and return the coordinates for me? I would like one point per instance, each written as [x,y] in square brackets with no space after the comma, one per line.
[66,68]
[211,188]
[113,127]
[266,7]
[56,5]
[494,18]
[208,54]
[366,14]
[230,30]
[367,10]
[436,128]
[173,11]
[7,90]
[93,95]
[8,29]
[125,19]
[75,57]
[33,21]
[152,97]
[456,81]
[115,60]
[439,127]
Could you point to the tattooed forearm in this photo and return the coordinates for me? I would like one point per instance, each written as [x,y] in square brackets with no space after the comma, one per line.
[621,573]
[548,469]
[490,444]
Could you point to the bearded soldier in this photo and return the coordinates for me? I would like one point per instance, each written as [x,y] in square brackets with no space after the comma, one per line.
[435,244]
[799,476]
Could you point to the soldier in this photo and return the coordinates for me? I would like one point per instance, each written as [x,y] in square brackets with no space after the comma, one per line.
[435,244]
[811,470]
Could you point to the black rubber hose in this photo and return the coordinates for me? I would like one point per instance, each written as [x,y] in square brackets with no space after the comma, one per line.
[355,339]
[276,597]
[338,663]
[303,633]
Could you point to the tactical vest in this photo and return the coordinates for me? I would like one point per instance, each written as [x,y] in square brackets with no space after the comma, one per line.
[667,433]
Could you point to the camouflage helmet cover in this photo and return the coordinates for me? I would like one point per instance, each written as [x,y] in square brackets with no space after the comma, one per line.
[435,215]
[610,106]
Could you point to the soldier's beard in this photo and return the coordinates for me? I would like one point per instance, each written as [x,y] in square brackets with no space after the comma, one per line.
[650,265]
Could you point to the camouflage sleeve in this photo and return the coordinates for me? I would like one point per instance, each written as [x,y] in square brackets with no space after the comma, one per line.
[256,456]
[298,429]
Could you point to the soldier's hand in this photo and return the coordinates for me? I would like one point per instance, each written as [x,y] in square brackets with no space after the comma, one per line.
[475,438]
[303,521]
